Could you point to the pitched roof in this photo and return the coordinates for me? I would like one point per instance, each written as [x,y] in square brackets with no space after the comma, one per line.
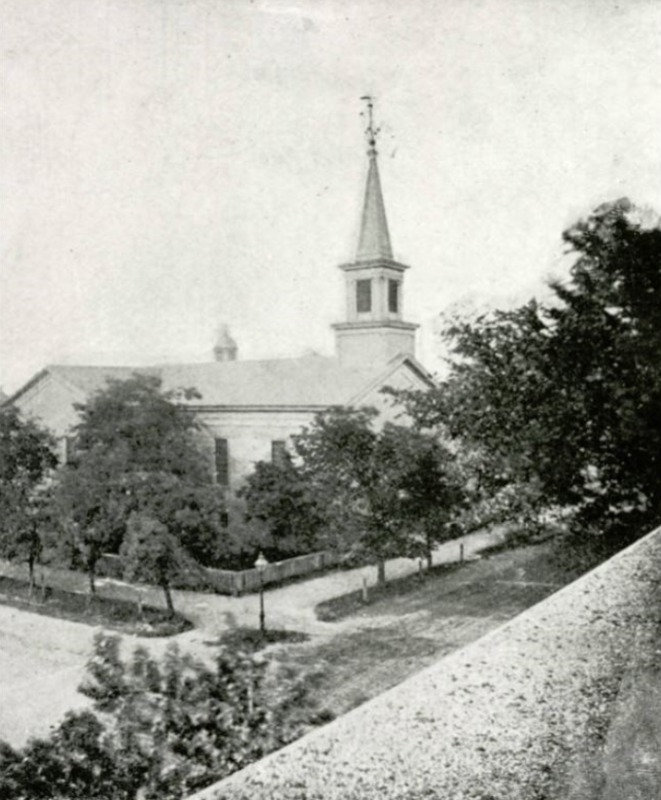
[93,379]
[311,381]
[308,381]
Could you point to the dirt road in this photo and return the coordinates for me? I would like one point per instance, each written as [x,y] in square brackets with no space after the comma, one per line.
[42,659]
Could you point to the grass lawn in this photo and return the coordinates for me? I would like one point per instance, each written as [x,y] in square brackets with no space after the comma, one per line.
[416,621]
[121,615]
[252,640]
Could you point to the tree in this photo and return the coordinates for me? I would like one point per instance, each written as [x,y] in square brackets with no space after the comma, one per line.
[379,489]
[278,496]
[11,768]
[26,460]
[433,489]
[499,406]
[181,725]
[163,729]
[76,762]
[151,553]
[565,399]
[137,451]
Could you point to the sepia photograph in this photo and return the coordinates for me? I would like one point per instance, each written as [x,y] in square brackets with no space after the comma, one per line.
[330,400]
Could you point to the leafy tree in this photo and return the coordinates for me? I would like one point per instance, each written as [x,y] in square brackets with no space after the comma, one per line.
[163,729]
[499,406]
[76,762]
[277,495]
[11,771]
[151,553]
[181,725]
[379,489]
[26,460]
[138,452]
[432,487]
[565,399]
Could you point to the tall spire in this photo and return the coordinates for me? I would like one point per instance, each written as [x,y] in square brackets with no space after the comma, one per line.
[374,330]
[374,239]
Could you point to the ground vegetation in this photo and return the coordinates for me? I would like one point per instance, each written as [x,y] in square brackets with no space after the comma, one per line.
[163,729]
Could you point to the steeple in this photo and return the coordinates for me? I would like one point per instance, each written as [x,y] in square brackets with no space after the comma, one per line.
[374,331]
[374,239]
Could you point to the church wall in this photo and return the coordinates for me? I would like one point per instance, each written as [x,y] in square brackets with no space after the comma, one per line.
[50,403]
[250,434]
[373,346]
[389,411]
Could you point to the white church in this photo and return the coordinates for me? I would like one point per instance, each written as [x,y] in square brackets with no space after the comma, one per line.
[249,409]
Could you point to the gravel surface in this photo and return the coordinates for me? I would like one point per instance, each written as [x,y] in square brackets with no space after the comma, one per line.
[514,715]
[41,664]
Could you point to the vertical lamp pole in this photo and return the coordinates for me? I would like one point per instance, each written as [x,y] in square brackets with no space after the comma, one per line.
[260,566]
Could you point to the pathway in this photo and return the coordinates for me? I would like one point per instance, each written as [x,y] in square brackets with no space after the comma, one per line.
[42,659]
[291,606]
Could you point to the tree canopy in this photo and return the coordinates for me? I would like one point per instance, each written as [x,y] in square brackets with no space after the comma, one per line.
[27,458]
[383,491]
[151,553]
[280,499]
[564,399]
[163,729]
[138,452]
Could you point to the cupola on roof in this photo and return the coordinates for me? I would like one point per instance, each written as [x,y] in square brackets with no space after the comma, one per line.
[226,348]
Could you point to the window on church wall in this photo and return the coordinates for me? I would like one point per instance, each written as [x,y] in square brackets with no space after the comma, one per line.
[222,459]
[278,452]
[224,519]
[363,296]
[393,296]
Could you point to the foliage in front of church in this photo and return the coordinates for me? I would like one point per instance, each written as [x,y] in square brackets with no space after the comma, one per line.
[26,458]
[368,493]
[162,729]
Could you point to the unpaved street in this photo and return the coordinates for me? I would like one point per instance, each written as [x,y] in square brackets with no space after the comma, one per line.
[42,659]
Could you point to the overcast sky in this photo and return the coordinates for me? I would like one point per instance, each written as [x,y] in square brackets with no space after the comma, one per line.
[167,165]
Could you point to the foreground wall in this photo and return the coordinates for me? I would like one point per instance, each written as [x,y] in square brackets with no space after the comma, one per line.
[521,714]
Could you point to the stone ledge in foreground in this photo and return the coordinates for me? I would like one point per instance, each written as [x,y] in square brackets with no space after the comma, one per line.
[516,714]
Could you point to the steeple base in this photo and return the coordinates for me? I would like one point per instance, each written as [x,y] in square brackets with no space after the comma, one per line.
[371,343]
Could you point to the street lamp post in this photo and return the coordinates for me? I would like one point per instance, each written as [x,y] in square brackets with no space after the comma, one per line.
[260,566]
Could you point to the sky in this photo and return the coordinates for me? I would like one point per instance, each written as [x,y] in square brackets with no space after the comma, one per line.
[170,165]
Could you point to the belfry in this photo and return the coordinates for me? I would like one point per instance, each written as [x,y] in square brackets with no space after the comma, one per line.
[248,410]
[374,331]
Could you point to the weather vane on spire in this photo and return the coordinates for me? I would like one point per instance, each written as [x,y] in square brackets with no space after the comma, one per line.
[370,131]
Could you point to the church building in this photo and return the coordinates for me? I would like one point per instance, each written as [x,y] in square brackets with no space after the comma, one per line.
[249,409]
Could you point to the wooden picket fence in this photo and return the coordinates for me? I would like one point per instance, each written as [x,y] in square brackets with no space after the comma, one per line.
[232,582]
[237,582]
